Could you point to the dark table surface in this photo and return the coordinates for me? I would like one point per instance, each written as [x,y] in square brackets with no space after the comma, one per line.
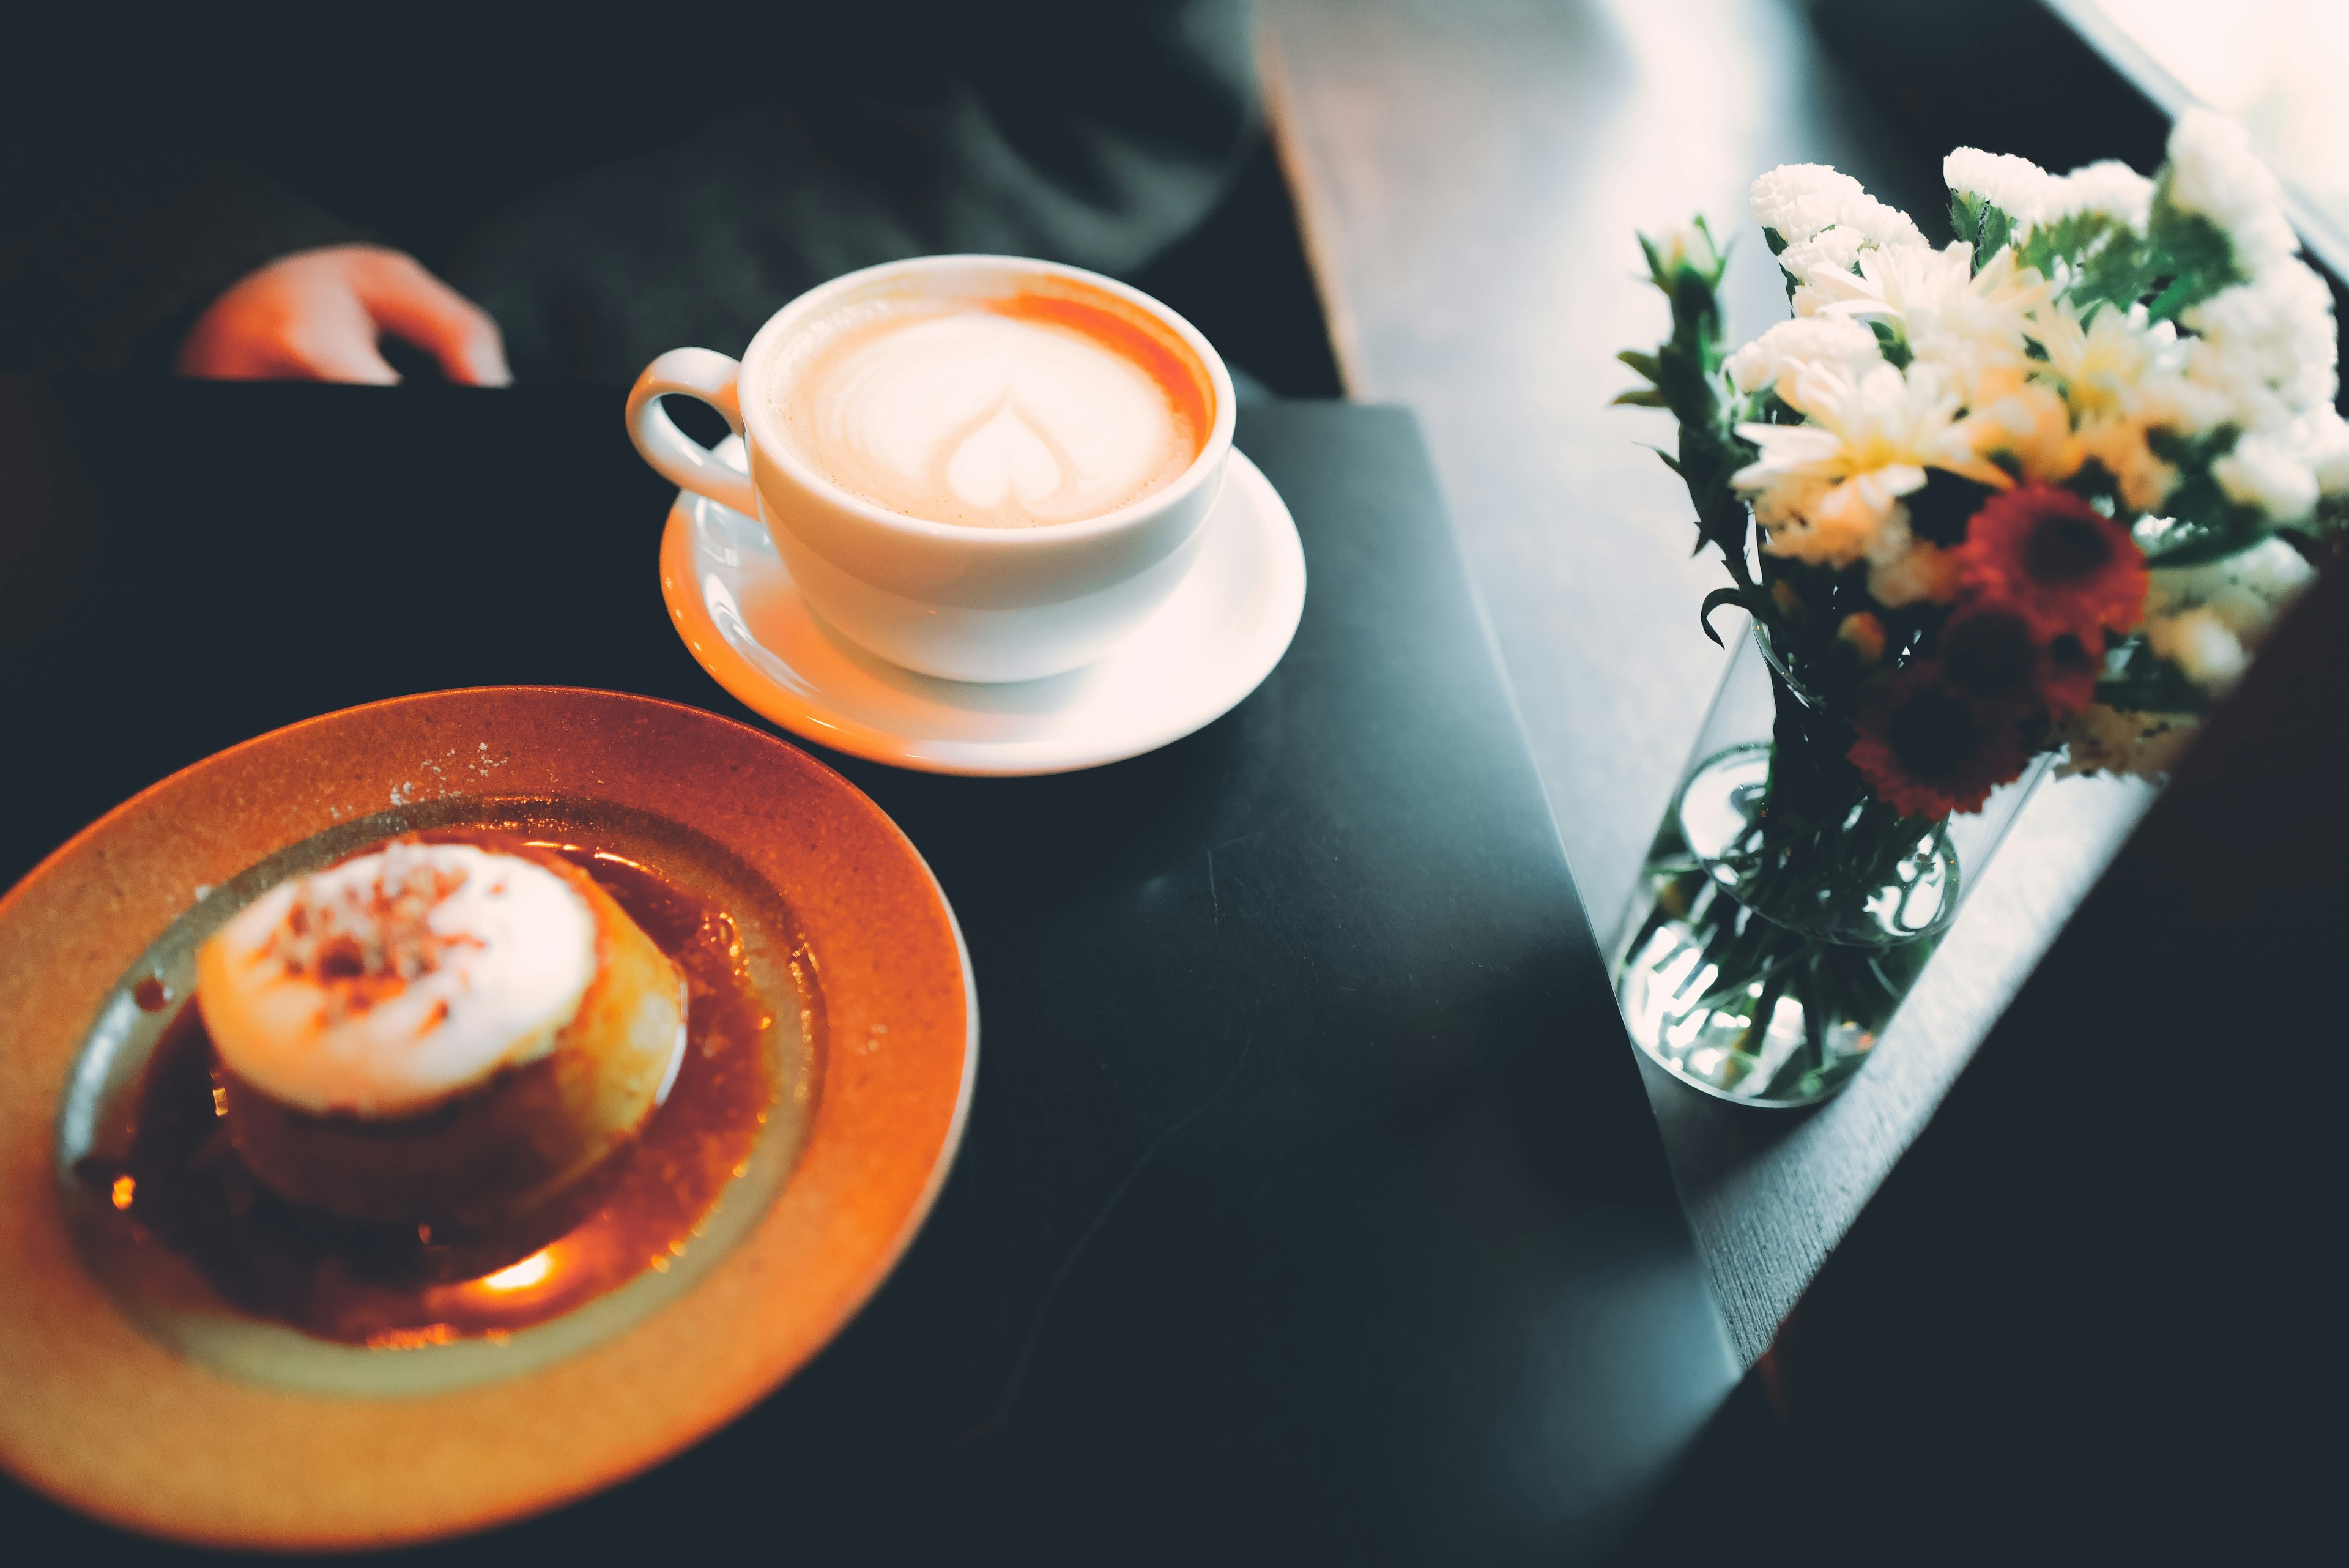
[1310,1206]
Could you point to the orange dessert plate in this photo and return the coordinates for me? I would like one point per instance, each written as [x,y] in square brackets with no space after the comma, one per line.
[136,1394]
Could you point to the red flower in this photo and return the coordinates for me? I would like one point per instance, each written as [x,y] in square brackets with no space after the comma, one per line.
[2069,566]
[1927,749]
[2067,677]
[1992,655]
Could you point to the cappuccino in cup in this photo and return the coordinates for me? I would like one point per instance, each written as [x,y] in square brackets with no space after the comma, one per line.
[1051,404]
[983,468]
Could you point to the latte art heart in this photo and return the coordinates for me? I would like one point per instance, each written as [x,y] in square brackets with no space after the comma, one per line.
[1003,457]
[992,414]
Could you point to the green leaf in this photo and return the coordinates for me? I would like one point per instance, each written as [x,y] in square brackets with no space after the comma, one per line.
[1714,601]
[1655,264]
[1777,244]
[1894,347]
[1639,397]
[2094,483]
[2192,256]
[1688,377]
[1694,300]
[2148,683]
[2196,545]
[1997,229]
[1713,275]
[1643,363]
[2069,238]
[1966,215]
[2192,454]
[2110,263]
[1982,225]
[2205,524]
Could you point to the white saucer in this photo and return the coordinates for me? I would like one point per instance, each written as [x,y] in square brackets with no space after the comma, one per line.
[1208,646]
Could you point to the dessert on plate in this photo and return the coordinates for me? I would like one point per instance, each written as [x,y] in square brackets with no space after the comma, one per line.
[455,1083]
[438,1033]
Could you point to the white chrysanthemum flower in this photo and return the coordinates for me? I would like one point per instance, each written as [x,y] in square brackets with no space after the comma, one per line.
[2264,350]
[1881,224]
[2213,172]
[1829,491]
[2027,422]
[1939,304]
[2115,365]
[1808,299]
[2016,186]
[1825,221]
[2319,438]
[1688,245]
[2120,445]
[2122,378]
[2199,644]
[2207,619]
[1835,250]
[2246,591]
[2032,196]
[2104,740]
[1798,202]
[1779,355]
[1864,634]
[1922,572]
[2262,471]
[2111,188]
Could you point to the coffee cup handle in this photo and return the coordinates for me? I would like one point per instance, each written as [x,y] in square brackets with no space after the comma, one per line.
[702,373]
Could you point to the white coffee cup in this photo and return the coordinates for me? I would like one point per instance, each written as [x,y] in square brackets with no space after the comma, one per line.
[949,599]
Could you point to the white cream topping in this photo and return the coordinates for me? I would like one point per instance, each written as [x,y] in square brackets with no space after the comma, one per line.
[396,979]
[961,415]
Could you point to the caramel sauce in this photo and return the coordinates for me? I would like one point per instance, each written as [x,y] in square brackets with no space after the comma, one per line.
[1131,333]
[182,1185]
[151,994]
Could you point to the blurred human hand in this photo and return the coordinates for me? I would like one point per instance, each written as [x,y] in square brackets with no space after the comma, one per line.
[316,316]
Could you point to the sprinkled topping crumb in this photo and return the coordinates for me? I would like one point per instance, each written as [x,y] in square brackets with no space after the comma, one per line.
[365,941]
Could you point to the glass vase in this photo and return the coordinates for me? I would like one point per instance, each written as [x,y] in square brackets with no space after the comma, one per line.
[1784,913]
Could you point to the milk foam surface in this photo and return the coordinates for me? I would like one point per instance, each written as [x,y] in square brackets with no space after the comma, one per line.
[504,952]
[962,414]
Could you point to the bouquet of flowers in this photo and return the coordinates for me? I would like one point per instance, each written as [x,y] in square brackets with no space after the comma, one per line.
[2039,491]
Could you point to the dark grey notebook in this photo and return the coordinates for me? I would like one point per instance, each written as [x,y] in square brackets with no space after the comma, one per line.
[1311,1207]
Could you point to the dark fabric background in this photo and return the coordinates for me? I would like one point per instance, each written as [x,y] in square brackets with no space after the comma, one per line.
[606,191]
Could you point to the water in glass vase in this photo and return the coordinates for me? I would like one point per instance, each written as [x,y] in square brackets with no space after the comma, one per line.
[1764,958]
[1784,913]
